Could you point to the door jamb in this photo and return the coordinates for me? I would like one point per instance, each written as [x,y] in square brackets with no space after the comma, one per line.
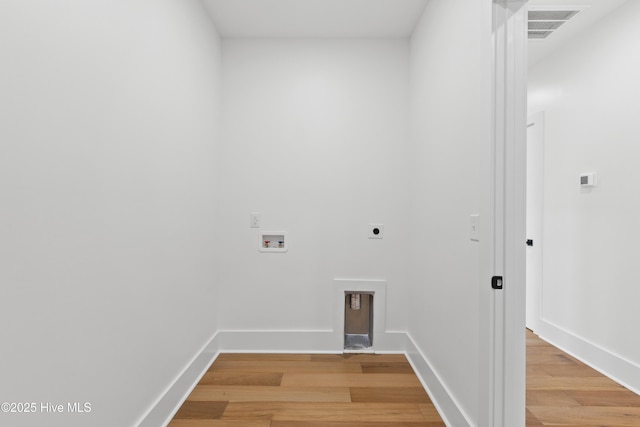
[504,383]
[534,319]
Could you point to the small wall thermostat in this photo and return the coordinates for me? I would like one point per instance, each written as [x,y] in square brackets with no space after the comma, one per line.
[588,180]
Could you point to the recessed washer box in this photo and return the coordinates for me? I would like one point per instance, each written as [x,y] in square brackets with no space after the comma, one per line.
[273,241]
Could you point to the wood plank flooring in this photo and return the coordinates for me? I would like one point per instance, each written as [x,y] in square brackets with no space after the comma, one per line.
[286,390]
[562,391]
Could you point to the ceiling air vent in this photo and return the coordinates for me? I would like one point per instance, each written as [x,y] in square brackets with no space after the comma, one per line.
[543,22]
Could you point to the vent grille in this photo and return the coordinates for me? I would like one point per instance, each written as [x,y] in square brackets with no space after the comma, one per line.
[542,23]
[539,34]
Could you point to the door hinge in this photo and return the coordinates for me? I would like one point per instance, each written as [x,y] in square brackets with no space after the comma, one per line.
[496,282]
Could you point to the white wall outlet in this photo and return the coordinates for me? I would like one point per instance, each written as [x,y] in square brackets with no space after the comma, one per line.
[376,231]
[474,231]
[254,220]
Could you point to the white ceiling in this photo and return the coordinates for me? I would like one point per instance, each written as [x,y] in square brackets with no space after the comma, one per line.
[315,18]
[370,18]
[596,10]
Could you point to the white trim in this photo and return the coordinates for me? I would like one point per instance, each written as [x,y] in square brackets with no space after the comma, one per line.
[443,400]
[533,307]
[265,341]
[506,400]
[169,401]
[302,341]
[317,342]
[619,369]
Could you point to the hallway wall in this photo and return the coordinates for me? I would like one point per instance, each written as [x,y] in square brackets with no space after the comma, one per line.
[109,113]
[450,71]
[315,140]
[590,94]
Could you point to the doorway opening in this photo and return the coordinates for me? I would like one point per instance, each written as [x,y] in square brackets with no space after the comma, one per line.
[581,157]
[535,198]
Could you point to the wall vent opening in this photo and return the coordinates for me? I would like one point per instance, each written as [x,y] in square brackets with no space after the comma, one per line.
[544,21]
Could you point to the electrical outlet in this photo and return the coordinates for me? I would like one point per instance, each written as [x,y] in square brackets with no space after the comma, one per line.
[376,231]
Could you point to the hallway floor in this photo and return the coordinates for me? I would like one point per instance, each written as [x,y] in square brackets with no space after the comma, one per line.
[562,391]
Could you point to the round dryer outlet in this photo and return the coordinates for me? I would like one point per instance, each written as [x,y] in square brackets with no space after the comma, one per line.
[376,231]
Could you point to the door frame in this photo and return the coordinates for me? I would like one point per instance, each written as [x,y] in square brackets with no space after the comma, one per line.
[535,171]
[502,394]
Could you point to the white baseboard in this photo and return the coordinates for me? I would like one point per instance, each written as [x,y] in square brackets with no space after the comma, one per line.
[613,366]
[299,342]
[170,401]
[277,342]
[444,401]
[619,369]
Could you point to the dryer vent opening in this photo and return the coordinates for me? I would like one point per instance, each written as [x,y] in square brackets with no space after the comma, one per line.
[358,321]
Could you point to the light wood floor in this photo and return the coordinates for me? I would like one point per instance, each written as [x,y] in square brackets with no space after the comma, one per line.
[562,391]
[284,390]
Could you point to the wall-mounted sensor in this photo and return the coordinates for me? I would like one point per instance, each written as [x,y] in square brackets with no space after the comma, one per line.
[588,180]
[376,231]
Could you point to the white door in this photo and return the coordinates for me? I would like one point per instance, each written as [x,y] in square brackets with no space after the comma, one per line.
[535,188]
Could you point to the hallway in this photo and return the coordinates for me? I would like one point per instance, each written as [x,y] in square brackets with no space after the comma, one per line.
[563,391]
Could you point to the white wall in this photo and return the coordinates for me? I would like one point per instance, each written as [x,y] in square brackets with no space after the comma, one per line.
[451,116]
[590,94]
[107,186]
[122,208]
[315,140]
